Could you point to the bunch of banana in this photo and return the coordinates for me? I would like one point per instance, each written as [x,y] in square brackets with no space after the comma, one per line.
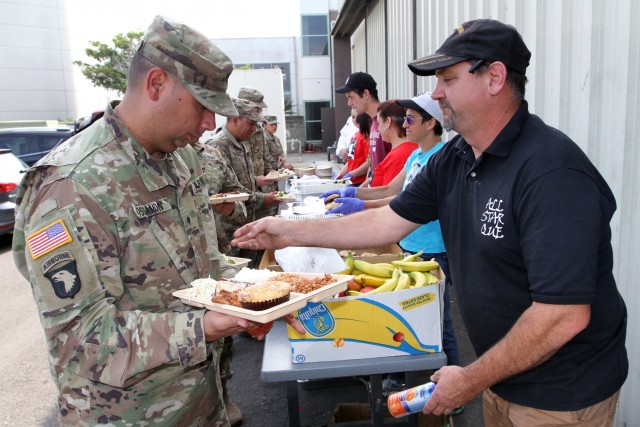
[398,281]
[349,263]
[415,263]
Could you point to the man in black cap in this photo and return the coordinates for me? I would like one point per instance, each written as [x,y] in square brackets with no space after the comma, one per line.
[361,92]
[525,220]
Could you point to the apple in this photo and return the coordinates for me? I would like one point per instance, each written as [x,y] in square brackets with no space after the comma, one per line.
[367,289]
[353,286]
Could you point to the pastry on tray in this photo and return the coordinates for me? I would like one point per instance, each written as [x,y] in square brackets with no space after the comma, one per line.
[265,295]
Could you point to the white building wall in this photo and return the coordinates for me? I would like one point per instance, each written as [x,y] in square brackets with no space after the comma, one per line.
[583,80]
[315,72]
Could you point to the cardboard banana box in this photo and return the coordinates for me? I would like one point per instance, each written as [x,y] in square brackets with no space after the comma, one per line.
[397,323]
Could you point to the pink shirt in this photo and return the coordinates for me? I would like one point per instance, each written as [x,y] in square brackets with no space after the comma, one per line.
[377,147]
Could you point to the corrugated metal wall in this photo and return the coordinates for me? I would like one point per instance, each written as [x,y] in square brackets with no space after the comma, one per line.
[401,42]
[359,49]
[376,48]
[583,80]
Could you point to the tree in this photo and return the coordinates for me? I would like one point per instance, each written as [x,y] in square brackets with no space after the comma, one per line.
[112,62]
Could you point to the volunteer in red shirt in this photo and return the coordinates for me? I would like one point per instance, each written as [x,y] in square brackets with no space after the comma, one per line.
[390,119]
[358,152]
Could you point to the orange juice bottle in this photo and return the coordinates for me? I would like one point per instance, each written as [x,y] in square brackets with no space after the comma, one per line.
[411,400]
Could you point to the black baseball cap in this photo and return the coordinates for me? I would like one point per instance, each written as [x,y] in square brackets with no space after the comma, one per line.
[479,39]
[358,80]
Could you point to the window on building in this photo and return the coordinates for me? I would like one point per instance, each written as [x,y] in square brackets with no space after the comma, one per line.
[315,35]
[313,119]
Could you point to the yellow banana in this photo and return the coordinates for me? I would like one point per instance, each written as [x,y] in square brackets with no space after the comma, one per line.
[407,266]
[412,257]
[389,284]
[349,263]
[372,269]
[356,272]
[419,278]
[385,265]
[367,279]
[353,293]
[431,279]
[403,282]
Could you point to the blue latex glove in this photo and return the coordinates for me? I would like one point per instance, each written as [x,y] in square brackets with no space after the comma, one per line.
[345,192]
[347,206]
[347,176]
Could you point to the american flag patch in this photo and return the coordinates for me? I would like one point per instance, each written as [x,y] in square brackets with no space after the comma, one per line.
[47,239]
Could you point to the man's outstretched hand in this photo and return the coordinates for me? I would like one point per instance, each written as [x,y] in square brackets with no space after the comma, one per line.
[267,233]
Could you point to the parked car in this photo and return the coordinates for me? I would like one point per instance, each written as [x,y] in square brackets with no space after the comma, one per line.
[30,144]
[11,171]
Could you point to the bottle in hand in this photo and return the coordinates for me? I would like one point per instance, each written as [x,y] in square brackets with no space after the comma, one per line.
[411,400]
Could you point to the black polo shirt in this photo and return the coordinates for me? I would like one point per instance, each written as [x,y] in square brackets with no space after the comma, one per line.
[529,221]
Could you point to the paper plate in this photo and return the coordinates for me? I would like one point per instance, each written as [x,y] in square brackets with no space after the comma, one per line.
[230,197]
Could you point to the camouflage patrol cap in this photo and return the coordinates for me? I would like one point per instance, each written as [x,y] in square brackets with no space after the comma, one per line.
[193,58]
[248,109]
[253,95]
[271,120]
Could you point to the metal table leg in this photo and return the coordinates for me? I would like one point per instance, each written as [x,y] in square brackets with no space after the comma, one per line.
[293,404]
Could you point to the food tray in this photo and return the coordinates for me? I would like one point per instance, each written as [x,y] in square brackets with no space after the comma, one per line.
[296,302]
[231,197]
[275,176]
[238,262]
[288,198]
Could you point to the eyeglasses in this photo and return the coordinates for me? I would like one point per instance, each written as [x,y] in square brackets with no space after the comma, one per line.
[409,119]
[476,65]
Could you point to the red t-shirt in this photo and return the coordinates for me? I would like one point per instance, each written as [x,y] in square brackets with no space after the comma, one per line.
[392,164]
[358,152]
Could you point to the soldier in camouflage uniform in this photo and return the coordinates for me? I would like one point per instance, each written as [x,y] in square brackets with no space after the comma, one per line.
[110,224]
[222,179]
[262,162]
[273,145]
[233,143]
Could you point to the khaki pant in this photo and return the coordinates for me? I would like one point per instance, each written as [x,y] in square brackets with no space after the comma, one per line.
[500,413]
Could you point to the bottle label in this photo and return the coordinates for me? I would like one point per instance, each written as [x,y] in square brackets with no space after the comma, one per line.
[409,401]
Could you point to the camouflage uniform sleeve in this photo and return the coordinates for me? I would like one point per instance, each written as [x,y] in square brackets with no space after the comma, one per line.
[73,260]
[256,198]
[222,179]
[239,214]
[270,153]
[270,162]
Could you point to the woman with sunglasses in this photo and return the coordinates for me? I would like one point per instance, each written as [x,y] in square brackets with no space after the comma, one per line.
[390,119]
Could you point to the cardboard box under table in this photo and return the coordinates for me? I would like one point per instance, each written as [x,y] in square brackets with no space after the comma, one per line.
[397,323]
